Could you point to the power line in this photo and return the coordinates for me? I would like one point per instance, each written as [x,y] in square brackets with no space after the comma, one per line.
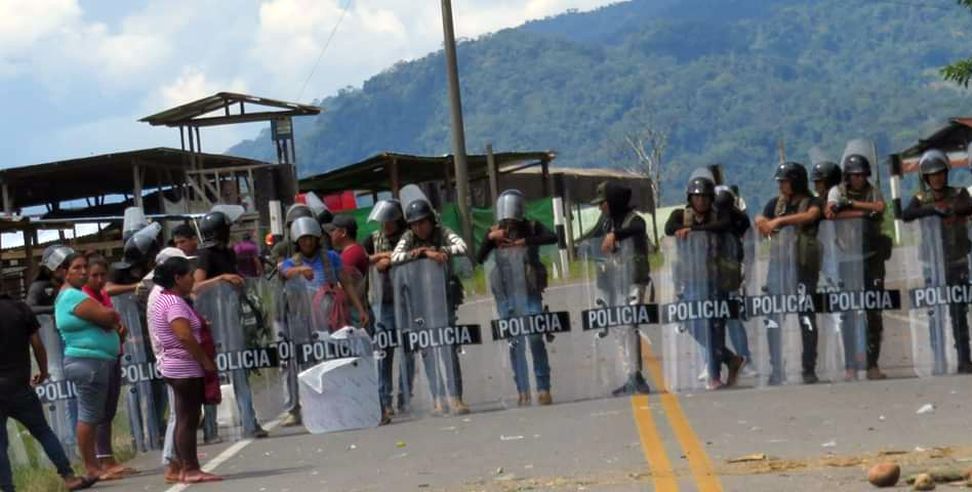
[344,11]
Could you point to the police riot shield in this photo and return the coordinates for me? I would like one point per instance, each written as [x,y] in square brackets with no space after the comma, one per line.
[611,352]
[426,298]
[396,368]
[57,394]
[842,344]
[706,271]
[935,253]
[524,331]
[145,401]
[781,302]
[243,361]
[818,155]
[298,298]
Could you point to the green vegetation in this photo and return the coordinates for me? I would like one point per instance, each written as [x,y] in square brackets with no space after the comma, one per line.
[729,79]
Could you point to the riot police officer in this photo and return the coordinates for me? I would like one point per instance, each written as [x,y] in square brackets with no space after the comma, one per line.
[825,175]
[700,215]
[379,246]
[954,206]
[428,238]
[857,197]
[794,207]
[514,230]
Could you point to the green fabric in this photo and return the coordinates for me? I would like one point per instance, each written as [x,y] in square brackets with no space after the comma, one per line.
[82,338]
[540,210]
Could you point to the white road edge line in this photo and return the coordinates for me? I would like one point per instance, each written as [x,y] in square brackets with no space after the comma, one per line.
[226,455]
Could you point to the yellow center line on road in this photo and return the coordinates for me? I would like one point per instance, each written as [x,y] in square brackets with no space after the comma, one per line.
[662,475]
[699,462]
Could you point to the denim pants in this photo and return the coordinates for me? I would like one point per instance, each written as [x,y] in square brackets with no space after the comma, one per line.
[244,404]
[538,350]
[24,406]
[386,364]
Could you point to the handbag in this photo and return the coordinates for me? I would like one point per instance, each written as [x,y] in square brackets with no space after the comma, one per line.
[212,395]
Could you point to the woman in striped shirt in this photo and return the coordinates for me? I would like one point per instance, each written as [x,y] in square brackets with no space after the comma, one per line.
[176,330]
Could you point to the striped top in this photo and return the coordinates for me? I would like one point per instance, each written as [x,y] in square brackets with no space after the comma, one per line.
[442,239]
[174,360]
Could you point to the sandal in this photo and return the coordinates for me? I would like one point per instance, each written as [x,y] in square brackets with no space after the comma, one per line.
[84,483]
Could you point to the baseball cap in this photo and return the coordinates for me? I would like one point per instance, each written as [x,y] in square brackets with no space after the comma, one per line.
[342,221]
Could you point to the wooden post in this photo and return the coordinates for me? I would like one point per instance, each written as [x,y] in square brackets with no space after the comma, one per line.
[393,177]
[137,188]
[493,179]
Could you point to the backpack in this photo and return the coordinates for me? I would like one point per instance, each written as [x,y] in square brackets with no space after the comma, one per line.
[330,295]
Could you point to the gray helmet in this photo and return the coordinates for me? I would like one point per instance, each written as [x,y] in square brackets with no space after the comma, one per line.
[828,172]
[133,221]
[386,211]
[418,210]
[795,173]
[297,210]
[724,197]
[700,186]
[510,205]
[933,161]
[857,164]
[305,226]
[54,256]
[141,246]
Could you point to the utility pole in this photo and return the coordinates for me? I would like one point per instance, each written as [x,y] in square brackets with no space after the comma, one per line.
[458,133]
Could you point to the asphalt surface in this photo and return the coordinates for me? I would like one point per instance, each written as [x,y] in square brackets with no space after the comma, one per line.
[793,437]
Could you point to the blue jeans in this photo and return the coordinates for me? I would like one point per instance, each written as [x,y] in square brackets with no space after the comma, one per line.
[738,337]
[22,405]
[538,350]
[386,365]
[244,404]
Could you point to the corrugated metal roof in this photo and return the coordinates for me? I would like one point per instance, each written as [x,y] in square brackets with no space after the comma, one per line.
[192,114]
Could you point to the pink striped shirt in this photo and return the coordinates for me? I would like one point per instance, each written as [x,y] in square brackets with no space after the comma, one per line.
[174,360]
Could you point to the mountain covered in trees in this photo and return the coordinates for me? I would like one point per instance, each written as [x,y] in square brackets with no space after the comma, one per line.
[727,80]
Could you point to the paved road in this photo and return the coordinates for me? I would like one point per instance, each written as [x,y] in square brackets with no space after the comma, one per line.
[818,437]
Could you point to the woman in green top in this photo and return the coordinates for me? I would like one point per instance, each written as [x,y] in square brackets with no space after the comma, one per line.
[91,334]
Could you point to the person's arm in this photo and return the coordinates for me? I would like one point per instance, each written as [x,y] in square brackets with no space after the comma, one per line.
[257,264]
[455,245]
[289,271]
[599,229]
[963,203]
[723,223]
[183,331]
[114,289]
[36,299]
[93,312]
[810,215]
[915,210]
[675,222]
[541,235]
[40,355]
[202,283]
[400,254]
[485,249]
[636,227]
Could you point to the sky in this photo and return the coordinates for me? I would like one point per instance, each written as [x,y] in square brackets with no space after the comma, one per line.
[77,74]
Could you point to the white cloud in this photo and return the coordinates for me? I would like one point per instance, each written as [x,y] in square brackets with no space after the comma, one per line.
[131,59]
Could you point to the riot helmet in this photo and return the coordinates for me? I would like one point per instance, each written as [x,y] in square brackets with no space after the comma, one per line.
[796,174]
[214,228]
[857,164]
[305,226]
[700,186]
[725,198]
[132,221]
[828,172]
[933,161]
[55,255]
[418,210]
[386,211]
[297,210]
[141,246]
[510,206]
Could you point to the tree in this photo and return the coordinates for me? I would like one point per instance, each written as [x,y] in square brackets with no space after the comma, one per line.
[648,145]
[960,72]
